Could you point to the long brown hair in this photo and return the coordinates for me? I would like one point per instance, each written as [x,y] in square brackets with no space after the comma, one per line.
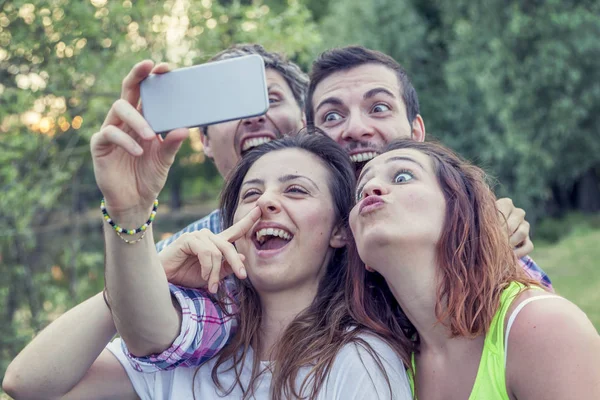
[475,258]
[316,335]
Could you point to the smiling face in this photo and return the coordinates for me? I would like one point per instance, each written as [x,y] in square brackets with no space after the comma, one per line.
[400,203]
[227,141]
[290,246]
[362,109]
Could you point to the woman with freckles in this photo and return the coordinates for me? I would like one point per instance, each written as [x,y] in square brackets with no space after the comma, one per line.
[436,260]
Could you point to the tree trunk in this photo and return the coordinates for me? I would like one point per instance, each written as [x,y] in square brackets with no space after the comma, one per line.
[175,201]
[588,192]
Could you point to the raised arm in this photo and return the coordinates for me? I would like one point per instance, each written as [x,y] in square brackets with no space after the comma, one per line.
[131,164]
[66,360]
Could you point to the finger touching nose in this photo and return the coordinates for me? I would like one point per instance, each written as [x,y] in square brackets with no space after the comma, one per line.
[269,204]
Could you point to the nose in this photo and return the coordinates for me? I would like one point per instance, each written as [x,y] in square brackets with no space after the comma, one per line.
[357,129]
[374,187]
[268,203]
[254,121]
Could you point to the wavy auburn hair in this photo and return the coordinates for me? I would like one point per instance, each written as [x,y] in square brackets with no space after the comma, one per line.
[315,336]
[474,254]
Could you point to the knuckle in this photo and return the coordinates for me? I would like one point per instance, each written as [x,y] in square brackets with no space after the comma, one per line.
[95,137]
[204,253]
[185,237]
[120,103]
[204,232]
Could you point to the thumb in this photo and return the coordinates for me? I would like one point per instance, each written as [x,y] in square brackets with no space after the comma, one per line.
[171,143]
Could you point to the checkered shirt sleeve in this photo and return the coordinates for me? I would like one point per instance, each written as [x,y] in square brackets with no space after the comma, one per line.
[205,330]
[534,271]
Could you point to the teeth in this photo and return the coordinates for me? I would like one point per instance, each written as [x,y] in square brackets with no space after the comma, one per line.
[260,235]
[253,142]
[361,157]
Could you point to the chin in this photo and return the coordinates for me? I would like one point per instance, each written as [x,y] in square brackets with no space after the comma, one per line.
[267,279]
[375,238]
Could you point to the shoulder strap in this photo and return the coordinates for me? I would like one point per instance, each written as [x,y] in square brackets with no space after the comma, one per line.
[513,316]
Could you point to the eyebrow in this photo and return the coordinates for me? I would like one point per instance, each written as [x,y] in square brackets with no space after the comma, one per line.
[330,100]
[282,179]
[376,91]
[335,101]
[274,86]
[396,158]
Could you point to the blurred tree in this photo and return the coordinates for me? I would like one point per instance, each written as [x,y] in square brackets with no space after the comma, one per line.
[530,74]
[61,64]
[513,86]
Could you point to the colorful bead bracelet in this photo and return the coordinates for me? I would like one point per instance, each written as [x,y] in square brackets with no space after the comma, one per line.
[130,232]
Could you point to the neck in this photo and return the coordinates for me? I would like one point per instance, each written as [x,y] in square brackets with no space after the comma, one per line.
[410,272]
[279,309]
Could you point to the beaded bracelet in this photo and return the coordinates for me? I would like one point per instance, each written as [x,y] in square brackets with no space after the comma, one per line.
[120,231]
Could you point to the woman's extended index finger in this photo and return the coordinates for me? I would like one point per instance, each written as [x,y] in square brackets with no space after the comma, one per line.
[239,229]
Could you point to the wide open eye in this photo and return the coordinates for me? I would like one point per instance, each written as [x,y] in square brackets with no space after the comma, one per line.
[403,177]
[380,107]
[332,116]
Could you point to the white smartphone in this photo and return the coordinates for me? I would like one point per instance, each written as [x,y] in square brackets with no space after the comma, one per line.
[205,94]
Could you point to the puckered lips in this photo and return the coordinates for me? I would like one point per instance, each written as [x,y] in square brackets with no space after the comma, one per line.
[270,238]
[370,204]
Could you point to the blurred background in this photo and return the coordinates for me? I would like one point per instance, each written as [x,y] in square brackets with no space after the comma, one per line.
[513,86]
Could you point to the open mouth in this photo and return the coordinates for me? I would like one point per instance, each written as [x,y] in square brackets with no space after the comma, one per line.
[363,157]
[272,238]
[254,142]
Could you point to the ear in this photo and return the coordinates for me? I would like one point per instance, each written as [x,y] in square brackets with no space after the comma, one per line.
[369,268]
[206,144]
[339,237]
[418,129]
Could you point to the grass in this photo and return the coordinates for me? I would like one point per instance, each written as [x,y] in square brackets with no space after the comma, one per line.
[573,266]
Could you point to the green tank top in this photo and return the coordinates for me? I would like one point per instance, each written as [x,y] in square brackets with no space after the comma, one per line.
[490,383]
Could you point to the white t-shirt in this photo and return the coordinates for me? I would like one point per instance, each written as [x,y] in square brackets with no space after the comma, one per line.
[353,376]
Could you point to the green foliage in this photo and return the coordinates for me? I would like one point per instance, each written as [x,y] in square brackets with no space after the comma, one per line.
[513,86]
[572,263]
[551,230]
[61,67]
[531,75]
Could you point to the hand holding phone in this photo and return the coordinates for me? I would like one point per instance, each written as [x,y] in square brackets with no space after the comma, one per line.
[131,164]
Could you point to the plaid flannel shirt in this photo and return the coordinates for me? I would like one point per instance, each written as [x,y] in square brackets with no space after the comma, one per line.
[206,328]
